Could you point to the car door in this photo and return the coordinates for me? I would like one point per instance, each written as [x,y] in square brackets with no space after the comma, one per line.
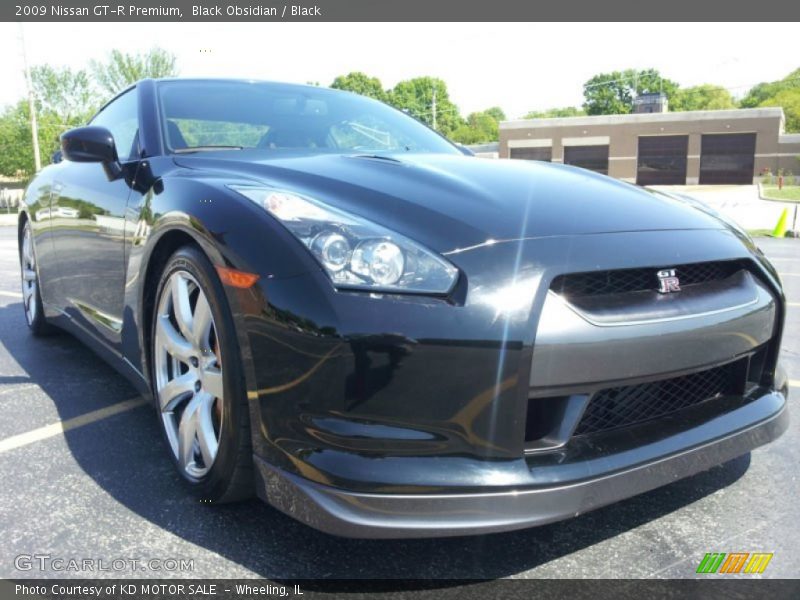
[88,226]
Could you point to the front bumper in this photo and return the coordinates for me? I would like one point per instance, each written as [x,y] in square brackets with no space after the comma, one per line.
[570,488]
[384,416]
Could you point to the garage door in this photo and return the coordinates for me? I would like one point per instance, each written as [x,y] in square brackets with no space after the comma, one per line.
[594,158]
[662,160]
[727,158]
[545,154]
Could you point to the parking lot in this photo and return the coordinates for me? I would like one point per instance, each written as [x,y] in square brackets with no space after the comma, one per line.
[85,475]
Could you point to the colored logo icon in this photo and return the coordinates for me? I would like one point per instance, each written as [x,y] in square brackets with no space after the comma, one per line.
[734,562]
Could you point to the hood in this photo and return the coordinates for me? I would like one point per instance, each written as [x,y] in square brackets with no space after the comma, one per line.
[448,202]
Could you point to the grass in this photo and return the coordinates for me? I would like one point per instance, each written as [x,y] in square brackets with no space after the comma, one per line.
[787,194]
[760,232]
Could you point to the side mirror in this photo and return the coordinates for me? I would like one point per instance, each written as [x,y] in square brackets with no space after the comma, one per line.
[89,144]
[464,150]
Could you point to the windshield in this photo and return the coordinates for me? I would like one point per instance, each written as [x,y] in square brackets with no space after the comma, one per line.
[218,115]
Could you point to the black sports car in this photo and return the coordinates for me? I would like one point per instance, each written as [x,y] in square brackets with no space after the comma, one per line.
[334,307]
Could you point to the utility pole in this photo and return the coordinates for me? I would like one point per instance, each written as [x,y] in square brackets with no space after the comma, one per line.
[37,159]
[433,107]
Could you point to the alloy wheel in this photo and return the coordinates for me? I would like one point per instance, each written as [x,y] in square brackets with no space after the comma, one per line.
[188,373]
[29,280]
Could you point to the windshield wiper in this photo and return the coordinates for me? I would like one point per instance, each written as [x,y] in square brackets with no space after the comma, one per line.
[205,149]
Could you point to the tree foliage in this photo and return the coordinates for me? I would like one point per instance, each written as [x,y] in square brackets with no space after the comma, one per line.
[361,83]
[66,98]
[16,146]
[417,97]
[567,111]
[763,92]
[613,93]
[482,126]
[479,127]
[784,93]
[789,100]
[64,93]
[496,113]
[701,97]
[122,69]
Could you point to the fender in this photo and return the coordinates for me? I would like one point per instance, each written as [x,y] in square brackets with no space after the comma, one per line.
[182,206]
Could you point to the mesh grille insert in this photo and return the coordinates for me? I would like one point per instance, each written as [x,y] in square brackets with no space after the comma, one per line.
[628,405]
[622,281]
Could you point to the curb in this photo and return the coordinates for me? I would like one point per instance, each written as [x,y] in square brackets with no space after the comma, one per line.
[768,199]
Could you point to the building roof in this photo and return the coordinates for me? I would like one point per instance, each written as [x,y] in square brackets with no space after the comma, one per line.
[692,115]
[487,147]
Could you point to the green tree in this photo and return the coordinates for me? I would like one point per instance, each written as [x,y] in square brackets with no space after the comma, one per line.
[417,97]
[16,148]
[479,127]
[701,97]
[360,83]
[122,69]
[784,93]
[64,93]
[613,93]
[763,92]
[567,111]
[63,98]
[789,101]
[496,113]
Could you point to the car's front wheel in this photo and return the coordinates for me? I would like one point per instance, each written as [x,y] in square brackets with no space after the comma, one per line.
[198,382]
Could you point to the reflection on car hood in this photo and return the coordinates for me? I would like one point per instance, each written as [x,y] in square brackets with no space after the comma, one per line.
[448,202]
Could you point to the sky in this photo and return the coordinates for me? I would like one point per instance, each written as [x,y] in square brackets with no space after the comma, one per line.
[517,66]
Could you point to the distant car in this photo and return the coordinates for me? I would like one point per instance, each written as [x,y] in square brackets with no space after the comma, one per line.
[334,307]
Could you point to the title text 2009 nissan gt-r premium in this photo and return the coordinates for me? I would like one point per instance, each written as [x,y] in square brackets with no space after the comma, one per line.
[335,308]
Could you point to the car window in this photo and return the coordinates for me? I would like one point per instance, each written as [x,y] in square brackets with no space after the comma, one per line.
[183,133]
[367,132]
[277,117]
[121,118]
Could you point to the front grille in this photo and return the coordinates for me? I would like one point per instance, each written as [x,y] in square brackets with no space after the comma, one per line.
[622,281]
[623,406]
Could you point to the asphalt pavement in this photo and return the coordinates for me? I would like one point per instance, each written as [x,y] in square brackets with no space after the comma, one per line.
[85,475]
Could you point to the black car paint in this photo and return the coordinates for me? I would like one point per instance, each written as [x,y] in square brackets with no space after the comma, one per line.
[447,202]
[358,391]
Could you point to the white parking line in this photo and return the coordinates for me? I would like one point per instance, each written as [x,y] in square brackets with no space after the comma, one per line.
[18,388]
[794,383]
[11,294]
[48,431]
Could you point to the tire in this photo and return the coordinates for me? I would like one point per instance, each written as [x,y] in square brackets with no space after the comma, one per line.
[31,290]
[195,358]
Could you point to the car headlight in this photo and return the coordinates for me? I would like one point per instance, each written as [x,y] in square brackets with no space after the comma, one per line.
[356,253]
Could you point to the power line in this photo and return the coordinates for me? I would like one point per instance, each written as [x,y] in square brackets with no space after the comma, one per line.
[688,89]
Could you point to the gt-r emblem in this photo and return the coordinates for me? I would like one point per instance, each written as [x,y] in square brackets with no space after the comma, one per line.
[668,282]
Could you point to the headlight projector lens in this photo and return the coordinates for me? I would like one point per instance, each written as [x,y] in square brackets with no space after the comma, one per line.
[332,249]
[380,260]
